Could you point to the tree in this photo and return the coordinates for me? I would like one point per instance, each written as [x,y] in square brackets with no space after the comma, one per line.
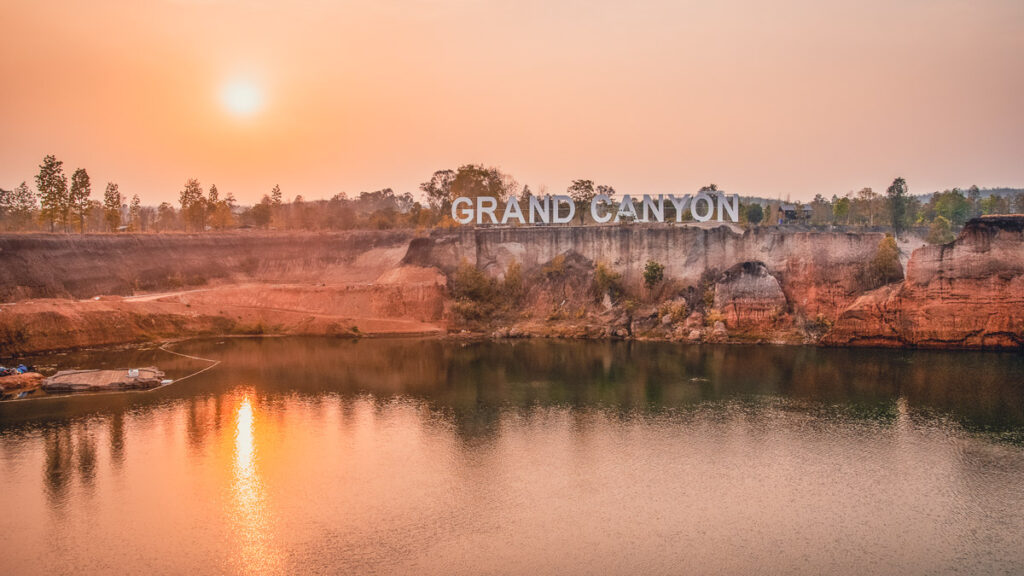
[940,231]
[261,212]
[53,190]
[112,206]
[866,202]
[897,196]
[885,267]
[439,190]
[953,206]
[755,214]
[16,206]
[841,210]
[134,214]
[191,199]
[974,197]
[474,181]
[165,216]
[582,194]
[653,273]
[78,196]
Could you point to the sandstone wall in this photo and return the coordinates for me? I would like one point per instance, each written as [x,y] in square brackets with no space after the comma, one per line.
[819,272]
[75,266]
[966,294]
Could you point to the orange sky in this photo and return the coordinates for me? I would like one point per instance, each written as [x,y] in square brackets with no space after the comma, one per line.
[786,98]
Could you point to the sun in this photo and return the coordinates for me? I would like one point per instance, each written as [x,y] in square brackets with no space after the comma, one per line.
[241,97]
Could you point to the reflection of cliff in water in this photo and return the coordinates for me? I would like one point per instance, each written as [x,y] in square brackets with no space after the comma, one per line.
[472,382]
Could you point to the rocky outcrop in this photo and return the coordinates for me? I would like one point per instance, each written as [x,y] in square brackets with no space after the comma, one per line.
[83,266]
[819,272]
[749,298]
[966,294]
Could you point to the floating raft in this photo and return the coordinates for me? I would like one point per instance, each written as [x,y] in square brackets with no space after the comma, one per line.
[102,380]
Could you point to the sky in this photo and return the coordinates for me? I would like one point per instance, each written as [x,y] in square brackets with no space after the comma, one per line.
[782,99]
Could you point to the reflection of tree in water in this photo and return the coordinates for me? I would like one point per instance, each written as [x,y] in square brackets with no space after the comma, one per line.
[116,437]
[470,385]
[58,467]
[86,449]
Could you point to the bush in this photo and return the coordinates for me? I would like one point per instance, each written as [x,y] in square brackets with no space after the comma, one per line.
[755,214]
[940,231]
[653,273]
[470,283]
[512,287]
[555,268]
[885,267]
[607,281]
[677,311]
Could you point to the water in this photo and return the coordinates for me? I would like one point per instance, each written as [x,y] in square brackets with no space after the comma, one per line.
[534,457]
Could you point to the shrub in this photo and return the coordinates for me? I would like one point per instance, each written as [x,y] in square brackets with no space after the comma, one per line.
[677,311]
[755,214]
[714,315]
[885,267]
[709,296]
[555,268]
[606,281]
[476,294]
[512,287]
[470,283]
[653,273]
[940,231]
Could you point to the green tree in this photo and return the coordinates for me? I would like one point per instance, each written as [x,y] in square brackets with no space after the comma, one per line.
[53,190]
[885,267]
[995,204]
[841,211]
[940,232]
[953,206]
[755,214]
[974,199]
[582,193]
[654,273]
[897,196]
[78,196]
[112,206]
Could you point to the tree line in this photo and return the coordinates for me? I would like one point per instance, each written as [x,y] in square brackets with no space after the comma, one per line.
[61,205]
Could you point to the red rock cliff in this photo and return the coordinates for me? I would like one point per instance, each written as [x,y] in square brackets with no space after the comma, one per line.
[966,294]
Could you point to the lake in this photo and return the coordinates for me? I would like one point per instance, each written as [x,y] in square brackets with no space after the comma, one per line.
[305,455]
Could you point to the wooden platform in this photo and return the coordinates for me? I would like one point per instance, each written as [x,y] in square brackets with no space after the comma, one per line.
[103,380]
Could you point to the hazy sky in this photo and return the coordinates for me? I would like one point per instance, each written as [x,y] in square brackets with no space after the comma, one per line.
[784,98]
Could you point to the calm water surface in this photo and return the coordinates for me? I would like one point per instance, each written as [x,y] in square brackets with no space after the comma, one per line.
[533,457]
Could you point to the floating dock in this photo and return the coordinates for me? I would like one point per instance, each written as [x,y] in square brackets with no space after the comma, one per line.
[104,380]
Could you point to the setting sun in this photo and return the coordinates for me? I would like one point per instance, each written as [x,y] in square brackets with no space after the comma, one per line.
[241,98]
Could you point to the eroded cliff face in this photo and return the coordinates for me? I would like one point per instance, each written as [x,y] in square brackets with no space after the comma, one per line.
[720,284]
[966,294]
[77,266]
[818,272]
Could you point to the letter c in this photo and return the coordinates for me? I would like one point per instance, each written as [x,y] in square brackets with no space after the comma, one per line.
[595,203]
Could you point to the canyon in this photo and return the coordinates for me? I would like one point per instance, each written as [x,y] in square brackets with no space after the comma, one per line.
[720,283]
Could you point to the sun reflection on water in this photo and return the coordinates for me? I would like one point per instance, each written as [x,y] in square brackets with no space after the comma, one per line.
[249,499]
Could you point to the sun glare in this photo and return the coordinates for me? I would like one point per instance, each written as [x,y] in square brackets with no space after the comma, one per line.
[241,98]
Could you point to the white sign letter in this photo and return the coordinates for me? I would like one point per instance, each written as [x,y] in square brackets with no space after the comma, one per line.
[468,217]
[572,209]
[600,200]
